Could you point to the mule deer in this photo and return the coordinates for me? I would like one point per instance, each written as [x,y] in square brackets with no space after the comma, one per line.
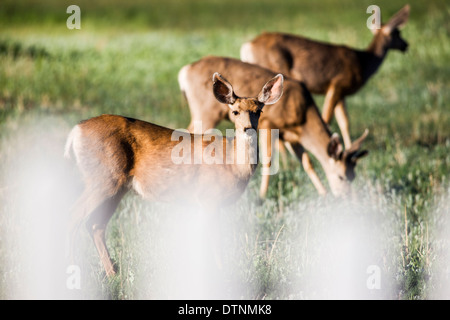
[295,115]
[334,70]
[116,154]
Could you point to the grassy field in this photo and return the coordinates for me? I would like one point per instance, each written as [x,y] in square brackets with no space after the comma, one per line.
[295,245]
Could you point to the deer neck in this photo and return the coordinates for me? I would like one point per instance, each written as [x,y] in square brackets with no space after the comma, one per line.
[245,154]
[377,46]
[372,58]
[315,138]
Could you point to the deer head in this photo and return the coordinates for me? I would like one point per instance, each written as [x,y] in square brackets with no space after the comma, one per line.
[245,112]
[342,163]
[388,36]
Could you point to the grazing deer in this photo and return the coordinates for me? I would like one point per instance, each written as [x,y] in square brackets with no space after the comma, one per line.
[336,71]
[116,154]
[295,115]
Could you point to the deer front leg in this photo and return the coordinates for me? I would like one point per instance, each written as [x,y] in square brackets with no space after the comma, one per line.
[308,166]
[331,99]
[283,153]
[340,112]
[199,126]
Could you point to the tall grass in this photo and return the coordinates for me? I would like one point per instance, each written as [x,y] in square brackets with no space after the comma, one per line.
[125,60]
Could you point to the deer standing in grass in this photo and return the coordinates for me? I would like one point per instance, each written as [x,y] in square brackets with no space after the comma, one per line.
[334,70]
[295,115]
[116,154]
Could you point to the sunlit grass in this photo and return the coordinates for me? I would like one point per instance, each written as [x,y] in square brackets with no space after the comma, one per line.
[125,60]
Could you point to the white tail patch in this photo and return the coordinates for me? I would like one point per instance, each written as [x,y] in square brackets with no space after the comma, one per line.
[247,53]
[74,134]
[182,78]
[137,186]
[69,143]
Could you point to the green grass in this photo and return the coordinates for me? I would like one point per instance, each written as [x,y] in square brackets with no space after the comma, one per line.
[125,60]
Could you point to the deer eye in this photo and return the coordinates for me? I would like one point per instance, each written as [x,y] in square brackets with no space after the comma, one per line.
[236,113]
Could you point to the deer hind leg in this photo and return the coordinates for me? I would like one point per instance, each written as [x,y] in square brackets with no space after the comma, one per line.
[283,153]
[96,208]
[280,60]
[341,115]
[199,126]
[201,122]
[86,203]
[304,158]
[96,226]
[202,117]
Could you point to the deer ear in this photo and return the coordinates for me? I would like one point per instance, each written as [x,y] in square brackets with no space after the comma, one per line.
[398,20]
[272,90]
[223,91]
[334,148]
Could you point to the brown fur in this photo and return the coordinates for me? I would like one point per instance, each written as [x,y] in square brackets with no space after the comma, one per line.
[334,70]
[295,115]
[116,151]
[116,154]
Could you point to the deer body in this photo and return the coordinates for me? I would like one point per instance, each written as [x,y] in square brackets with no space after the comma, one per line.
[334,70]
[116,154]
[295,115]
[315,63]
[135,154]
